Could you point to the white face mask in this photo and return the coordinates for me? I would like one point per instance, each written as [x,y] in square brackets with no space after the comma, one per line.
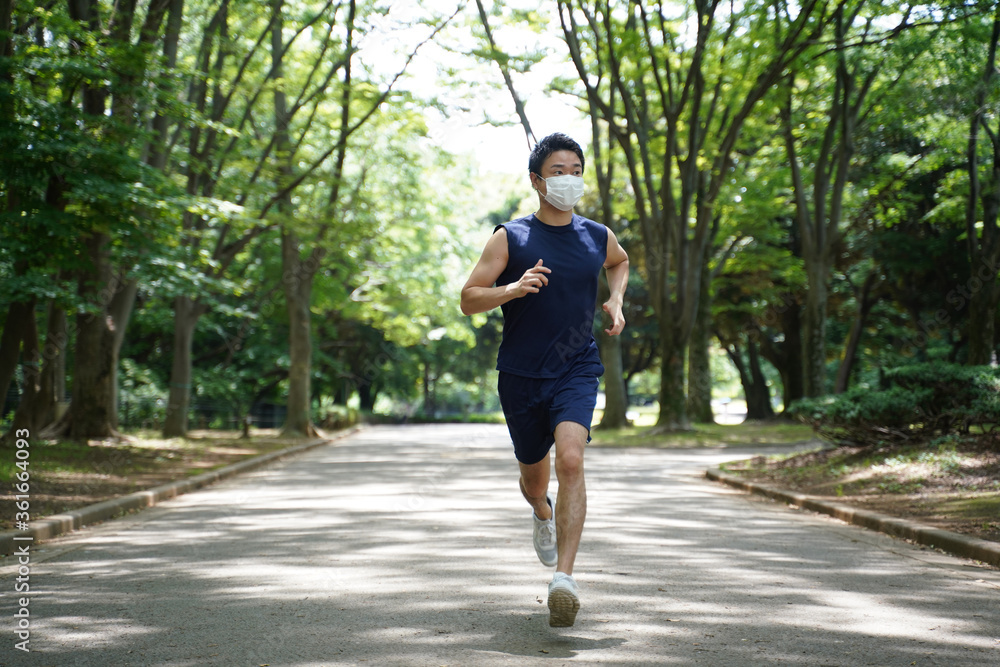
[564,191]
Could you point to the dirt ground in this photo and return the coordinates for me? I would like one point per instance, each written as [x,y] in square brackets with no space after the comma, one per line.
[955,487]
[64,476]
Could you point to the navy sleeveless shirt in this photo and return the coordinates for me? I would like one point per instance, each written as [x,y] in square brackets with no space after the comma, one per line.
[548,333]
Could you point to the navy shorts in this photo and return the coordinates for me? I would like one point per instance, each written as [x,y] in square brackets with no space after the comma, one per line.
[533,407]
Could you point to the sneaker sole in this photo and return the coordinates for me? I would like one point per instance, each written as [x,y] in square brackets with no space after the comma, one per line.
[563,606]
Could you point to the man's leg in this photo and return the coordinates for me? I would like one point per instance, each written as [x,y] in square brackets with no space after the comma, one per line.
[571,502]
[534,485]
[571,510]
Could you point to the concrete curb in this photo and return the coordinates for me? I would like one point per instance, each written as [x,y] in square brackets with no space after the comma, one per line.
[953,543]
[59,524]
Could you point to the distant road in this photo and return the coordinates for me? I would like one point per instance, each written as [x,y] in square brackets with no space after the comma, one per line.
[411,546]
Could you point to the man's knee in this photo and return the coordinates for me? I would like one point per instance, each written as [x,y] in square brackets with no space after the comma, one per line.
[569,451]
[569,466]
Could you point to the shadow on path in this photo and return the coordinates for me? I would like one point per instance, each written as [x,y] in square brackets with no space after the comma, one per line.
[411,546]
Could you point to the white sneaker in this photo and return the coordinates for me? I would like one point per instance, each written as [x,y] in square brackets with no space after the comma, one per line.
[545,537]
[564,601]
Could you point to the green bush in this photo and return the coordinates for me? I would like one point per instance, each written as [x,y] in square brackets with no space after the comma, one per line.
[921,402]
[333,417]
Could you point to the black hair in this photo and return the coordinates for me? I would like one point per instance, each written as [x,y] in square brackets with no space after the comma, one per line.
[549,145]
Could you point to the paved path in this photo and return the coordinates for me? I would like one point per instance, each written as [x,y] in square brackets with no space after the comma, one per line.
[411,546]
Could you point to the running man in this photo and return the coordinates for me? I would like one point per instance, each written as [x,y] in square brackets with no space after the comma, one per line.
[542,271]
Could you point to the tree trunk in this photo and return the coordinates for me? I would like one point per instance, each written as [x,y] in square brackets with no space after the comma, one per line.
[32,387]
[157,146]
[186,316]
[298,278]
[91,413]
[54,369]
[367,396]
[297,275]
[699,395]
[792,377]
[736,356]
[786,356]
[755,391]
[984,244]
[983,305]
[18,314]
[673,403]
[865,303]
[615,397]
[814,330]
[121,312]
[6,51]
[757,394]
[57,344]
[429,408]
[39,402]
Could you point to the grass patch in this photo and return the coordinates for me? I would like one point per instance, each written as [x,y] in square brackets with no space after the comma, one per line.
[952,482]
[975,506]
[68,475]
[145,452]
[706,435]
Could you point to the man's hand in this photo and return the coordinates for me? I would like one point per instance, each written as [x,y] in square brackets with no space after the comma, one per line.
[613,307]
[531,282]
[617,269]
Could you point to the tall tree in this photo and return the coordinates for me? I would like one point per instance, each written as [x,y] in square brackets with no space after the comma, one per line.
[358,102]
[94,61]
[93,411]
[603,148]
[982,216]
[820,190]
[224,96]
[299,273]
[686,86]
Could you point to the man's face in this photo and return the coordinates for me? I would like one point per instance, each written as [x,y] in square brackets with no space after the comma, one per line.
[559,163]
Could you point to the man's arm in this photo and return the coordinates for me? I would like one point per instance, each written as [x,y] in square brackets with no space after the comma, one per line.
[616,266]
[479,295]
